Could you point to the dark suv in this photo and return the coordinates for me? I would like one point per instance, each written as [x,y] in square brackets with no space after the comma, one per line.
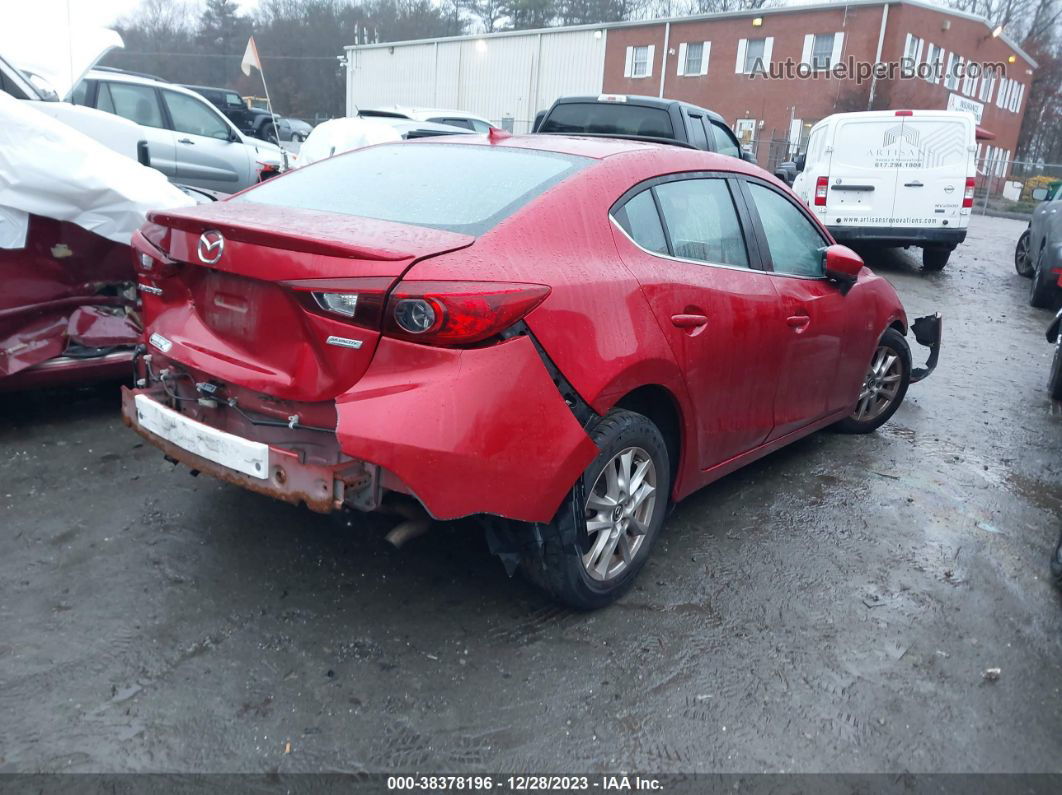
[251,121]
[623,116]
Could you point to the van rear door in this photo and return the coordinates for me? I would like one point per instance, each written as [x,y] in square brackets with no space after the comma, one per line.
[931,171]
[862,183]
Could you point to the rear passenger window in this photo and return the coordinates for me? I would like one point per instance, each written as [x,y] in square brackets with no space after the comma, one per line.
[134,102]
[725,142]
[80,93]
[697,137]
[640,220]
[794,242]
[702,221]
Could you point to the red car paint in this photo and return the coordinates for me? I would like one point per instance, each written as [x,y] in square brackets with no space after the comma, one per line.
[484,428]
[67,287]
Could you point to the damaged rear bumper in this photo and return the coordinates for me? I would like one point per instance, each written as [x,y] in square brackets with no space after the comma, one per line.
[927,331]
[267,469]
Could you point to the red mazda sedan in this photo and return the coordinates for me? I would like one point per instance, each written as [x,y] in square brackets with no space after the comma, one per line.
[561,335]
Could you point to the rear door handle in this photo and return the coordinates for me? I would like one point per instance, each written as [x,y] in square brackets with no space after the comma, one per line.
[915,184]
[186,141]
[799,322]
[689,321]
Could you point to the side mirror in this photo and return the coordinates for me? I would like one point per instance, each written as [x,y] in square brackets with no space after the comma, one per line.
[801,161]
[748,157]
[842,264]
[1039,194]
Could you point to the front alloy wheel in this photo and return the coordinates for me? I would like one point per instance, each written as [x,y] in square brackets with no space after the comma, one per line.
[884,385]
[618,511]
[880,386]
[1022,260]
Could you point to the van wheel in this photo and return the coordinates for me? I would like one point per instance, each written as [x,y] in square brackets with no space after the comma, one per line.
[884,385]
[622,500]
[934,259]
[1043,290]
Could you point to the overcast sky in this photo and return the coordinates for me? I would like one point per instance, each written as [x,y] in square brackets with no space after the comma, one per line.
[99,13]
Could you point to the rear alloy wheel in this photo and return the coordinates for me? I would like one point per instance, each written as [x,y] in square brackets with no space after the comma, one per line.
[592,551]
[1022,261]
[934,259]
[884,386]
[1043,291]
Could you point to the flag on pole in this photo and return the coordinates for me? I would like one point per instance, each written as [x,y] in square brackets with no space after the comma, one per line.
[250,58]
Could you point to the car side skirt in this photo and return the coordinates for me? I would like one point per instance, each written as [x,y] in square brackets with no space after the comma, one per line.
[714,473]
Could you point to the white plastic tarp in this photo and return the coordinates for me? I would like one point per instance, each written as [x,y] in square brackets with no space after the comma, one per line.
[56,49]
[50,169]
[341,135]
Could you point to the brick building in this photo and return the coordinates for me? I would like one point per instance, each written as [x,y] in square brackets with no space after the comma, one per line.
[713,61]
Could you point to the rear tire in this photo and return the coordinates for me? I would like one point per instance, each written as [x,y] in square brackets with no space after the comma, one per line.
[878,400]
[1022,261]
[1042,290]
[619,524]
[934,259]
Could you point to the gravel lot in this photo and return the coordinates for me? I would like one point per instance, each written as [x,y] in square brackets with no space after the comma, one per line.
[830,608]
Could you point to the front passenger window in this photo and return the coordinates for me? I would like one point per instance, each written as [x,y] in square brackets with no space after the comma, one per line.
[192,116]
[795,244]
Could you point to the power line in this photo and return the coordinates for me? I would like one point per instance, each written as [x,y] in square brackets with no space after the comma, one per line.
[219,55]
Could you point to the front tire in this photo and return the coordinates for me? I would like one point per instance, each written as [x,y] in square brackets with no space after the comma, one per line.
[1022,260]
[1054,383]
[1042,291]
[934,259]
[623,496]
[884,385]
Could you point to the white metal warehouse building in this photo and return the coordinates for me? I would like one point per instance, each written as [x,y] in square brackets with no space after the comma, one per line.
[479,73]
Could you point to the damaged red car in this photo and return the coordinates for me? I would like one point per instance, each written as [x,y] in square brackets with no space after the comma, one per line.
[561,335]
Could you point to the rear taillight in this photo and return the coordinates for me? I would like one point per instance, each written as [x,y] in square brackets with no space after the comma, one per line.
[432,313]
[822,184]
[968,194]
[457,313]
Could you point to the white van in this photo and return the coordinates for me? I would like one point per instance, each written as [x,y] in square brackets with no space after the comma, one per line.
[892,178]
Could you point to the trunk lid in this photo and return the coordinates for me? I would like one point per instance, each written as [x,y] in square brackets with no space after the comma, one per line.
[240,318]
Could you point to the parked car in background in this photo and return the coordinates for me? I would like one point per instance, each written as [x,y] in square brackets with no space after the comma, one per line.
[628,116]
[295,130]
[189,140]
[1038,254]
[336,136]
[787,171]
[892,178]
[562,332]
[454,118]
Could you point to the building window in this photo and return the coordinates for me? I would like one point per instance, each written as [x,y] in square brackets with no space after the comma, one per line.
[639,61]
[822,51]
[988,82]
[951,82]
[693,58]
[933,61]
[913,50]
[754,55]
[640,65]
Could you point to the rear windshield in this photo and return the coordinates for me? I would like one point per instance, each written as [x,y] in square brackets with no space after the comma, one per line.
[459,188]
[608,118]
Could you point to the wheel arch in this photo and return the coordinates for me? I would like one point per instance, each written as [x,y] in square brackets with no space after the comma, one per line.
[663,409]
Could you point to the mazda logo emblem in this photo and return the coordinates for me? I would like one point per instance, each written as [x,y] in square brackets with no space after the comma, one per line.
[211,244]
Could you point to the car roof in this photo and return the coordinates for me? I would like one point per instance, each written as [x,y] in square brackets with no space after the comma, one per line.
[209,88]
[640,101]
[412,111]
[671,157]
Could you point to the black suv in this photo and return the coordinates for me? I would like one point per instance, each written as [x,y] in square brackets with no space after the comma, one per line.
[251,121]
[623,116]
